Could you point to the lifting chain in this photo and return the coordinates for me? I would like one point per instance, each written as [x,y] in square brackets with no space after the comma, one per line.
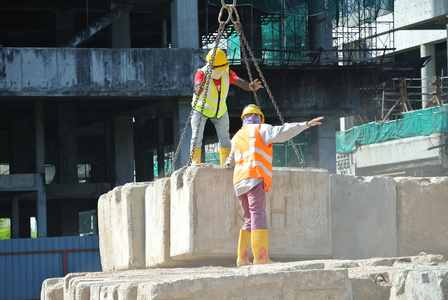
[231,9]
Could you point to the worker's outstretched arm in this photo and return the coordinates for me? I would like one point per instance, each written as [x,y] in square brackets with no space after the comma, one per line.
[245,85]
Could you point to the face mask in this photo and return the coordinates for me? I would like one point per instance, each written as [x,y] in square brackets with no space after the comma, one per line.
[217,74]
[252,119]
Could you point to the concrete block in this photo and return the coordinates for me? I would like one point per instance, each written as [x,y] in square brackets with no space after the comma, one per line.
[121,225]
[157,218]
[52,289]
[206,216]
[422,215]
[427,284]
[112,289]
[298,208]
[77,286]
[363,217]
[372,283]
[105,231]
[128,291]
[305,285]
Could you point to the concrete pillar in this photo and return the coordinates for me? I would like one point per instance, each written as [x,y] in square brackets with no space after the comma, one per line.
[41,207]
[165,32]
[184,24]
[67,168]
[181,112]
[40,137]
[428,71]
[320,26]
[161,148]
[347,122]
[15,224]
[121,31]
[252,31]
[124,149]
[323,144]
[41,203]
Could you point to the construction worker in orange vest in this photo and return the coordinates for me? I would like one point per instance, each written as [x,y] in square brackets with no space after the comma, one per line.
[251,158]
[215,107]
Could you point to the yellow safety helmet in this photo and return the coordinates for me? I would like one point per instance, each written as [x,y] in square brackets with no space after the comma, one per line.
[220,63]
[252,109]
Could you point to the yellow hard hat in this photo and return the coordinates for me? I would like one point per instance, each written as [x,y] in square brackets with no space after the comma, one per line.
[252,109]
[220,63]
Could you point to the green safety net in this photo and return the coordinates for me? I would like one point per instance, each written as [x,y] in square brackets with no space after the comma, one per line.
[416,123]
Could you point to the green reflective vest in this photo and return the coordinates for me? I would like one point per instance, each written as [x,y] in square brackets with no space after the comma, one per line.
[215,103]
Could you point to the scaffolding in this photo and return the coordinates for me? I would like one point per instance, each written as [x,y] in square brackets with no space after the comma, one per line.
[362,31]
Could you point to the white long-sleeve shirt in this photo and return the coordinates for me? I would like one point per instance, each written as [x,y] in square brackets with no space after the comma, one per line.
[270,135]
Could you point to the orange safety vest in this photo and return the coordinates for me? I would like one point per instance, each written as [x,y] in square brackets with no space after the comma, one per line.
[253,158]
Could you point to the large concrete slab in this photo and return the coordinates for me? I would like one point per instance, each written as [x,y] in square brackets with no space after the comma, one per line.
[422,211]
[206,217]
[121,226]
[312,284]
[389,278]
[363,217]
[295,280]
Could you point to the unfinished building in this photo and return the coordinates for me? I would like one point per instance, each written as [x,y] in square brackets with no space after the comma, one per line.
[96,94]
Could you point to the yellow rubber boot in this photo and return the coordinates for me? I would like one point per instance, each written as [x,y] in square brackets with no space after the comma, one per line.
[243,248]
[260,246]
[223,154]
[196,156]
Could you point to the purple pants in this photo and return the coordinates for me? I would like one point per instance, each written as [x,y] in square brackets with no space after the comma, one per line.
[253,204]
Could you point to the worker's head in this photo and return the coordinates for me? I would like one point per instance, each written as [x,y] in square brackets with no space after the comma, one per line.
[252,115]
[220,63]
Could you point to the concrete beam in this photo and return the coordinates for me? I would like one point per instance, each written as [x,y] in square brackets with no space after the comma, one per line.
[20,182]
[399,151]
[421,11]
[70,72]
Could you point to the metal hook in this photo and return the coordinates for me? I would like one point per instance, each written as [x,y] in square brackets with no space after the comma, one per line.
[229,17]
